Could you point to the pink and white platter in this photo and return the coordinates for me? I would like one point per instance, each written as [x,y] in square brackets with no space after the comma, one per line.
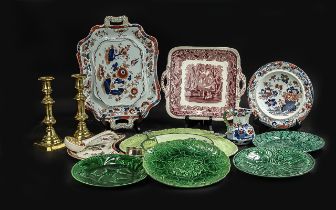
[202,82]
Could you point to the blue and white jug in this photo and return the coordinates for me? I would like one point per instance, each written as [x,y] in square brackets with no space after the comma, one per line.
[239,131]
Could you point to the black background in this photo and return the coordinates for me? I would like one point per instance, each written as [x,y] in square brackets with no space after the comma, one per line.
[42,36]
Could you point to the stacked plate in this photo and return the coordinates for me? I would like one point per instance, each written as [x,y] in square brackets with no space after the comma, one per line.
[179,157]
[279,154]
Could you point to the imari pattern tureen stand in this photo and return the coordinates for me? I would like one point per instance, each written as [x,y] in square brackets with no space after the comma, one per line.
[120,61]
[202,82]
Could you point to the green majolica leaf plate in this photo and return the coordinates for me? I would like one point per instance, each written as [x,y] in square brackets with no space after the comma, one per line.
[110,170]
[147,141]
[273,162]
[306,142]
[186,163]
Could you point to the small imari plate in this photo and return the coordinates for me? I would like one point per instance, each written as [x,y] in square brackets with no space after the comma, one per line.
[120,62]
[280,94]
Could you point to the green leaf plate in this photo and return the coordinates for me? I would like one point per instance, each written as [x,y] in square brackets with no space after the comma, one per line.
[147,141]
[186,163]
[306,142]
[110,170]
[273,162]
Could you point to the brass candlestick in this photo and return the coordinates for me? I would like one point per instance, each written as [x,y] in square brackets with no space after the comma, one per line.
[82,131]
[50,141]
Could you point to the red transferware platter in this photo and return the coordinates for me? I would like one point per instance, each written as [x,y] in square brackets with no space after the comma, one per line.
[202,82]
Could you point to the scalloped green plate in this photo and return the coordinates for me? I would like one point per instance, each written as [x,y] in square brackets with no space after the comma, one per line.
[306,142]
[110,170]
[154,137]
[186,163]
[273,162]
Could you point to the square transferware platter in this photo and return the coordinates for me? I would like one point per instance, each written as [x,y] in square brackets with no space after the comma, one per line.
[202,82]
[120,62]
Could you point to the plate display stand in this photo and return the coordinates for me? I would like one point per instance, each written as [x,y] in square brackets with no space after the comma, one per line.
[206,124]
[137,123]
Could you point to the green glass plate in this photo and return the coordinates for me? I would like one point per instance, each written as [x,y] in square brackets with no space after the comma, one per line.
[273,162]
[110,170]
[147,141]
[186,163]
[306,142]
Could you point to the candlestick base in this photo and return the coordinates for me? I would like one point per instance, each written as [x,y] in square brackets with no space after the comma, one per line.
[82,132]
[51,141]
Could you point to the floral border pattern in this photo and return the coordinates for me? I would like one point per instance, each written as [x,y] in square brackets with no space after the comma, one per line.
[100,110]
[307,98]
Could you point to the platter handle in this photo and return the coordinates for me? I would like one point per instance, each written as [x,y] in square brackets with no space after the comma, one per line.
[122,125]
[116,20]
[165,88]
[241,78]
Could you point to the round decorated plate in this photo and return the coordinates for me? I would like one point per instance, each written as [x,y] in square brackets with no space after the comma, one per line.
[109,170]
[186,163]
[273,162]
[305,142]
[280,94]
[148,140]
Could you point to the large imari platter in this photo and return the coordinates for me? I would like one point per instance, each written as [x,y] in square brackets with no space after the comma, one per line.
[186,163]
[273,162]
[120,62]
[280,94]
[202,82]
[150,139]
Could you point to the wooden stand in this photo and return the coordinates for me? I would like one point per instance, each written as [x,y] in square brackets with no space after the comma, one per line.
[137,123]
[205,124]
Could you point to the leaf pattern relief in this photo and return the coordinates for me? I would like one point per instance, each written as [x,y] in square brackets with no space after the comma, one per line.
[109,170]
[223,144]
[186,163]
[273,162]
[306,142]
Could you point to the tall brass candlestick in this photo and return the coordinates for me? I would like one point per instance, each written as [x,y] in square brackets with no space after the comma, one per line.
[50,141]
[82,131]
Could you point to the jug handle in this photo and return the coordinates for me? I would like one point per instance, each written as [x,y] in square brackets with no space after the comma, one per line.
[242,79]
[225,118]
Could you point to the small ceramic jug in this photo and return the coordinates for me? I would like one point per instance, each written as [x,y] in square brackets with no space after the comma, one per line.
[239,131]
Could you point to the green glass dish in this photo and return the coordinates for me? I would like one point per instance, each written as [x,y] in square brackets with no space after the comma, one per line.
[306,142]
[150,139]
[110,170]
[186,163]
[273,162]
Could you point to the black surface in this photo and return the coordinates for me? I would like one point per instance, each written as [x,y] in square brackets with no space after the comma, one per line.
[43,35]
